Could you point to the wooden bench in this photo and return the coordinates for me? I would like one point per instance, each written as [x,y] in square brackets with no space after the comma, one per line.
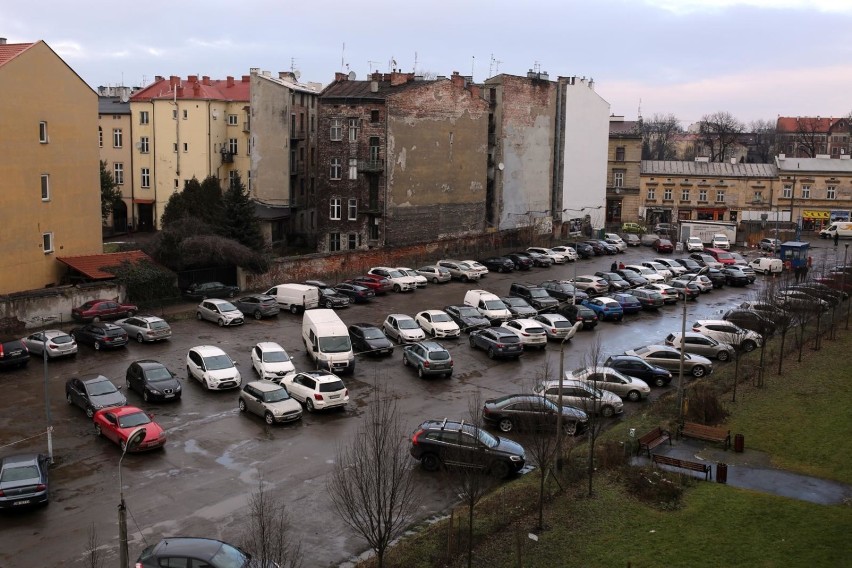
[709,433]
[653,439]
[684,464]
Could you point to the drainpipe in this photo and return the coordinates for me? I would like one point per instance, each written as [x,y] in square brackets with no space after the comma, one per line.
[177,129]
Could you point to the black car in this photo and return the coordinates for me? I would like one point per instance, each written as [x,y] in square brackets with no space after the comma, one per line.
[468,318]
[536,296]
[258,305]
[203,290]
[633,366]
[584,250]
[751,320]
[650,299]
[564,291]
[719,277]
[355,292]
[13,353]
[497,342]
[93,392]
[616,282]
[821,291]
[608,248]
[456,443]
[690,264]
[330,298]
[597,247]
[368,339]
[152,381]
[498,264]
[23,481]
[732,276]
[634,278]
[539,260]
[577,312]
[520,261]
[191,551]
[100,335]
[531,412]
[519,307]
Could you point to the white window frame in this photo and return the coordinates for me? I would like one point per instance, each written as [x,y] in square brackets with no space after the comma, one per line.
[118,173]
[353,168]
[233,146]
[831,192]
[652,193]
[335,131]
[787,191]
[684,194]
[352,209]
[45,187]
[618,178]
[233,120]
[144,145]
[353,129]
[143,117]
[335,168]
[667,194]
[43,138]
[117,138]
[806,191]
[185,114]
[702,195]
[232,177]
[334,209]
[47,243]
[248,180]
[145,176]
[720,196]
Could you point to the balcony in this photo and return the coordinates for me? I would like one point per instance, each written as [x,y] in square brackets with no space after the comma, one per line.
[227,157]
[297,134]
[371,166]
[246,126]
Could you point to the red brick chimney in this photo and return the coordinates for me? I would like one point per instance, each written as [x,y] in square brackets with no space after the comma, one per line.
[205,80]
[246,78]
[229,81]
[180,91]
[174,81]
[398,78]
[458,80]
[338,77]
[196,89]
[474,90]
[158,78]
[192,78]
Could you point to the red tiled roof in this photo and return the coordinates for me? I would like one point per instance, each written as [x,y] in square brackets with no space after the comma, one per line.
[196,88]
[9,51]
[90,265]
[789,124]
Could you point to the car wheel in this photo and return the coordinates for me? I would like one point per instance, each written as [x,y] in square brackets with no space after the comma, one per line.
[231,294]
[491,353]
[471,342]
[96,319]
[294,309]
[221,322]
[505,425]
[98,430]
[139,338]
[131,313]
[633,396]
[570,428]
[660,382]
[198,315]
[500,469]
[97,346]
[145,396]
[749,345]
[397,288]
[258,315]
[698,371]
[268,418]
[430,462]
[607,411]
[309,405]
[432,333]
[723,356]
[68,398]
[420,372]
[90,411]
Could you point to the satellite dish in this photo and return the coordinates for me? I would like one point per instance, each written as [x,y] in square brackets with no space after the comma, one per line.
[352,75]
[297,74]
[500,166]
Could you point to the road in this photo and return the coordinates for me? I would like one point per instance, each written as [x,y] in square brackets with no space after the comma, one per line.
[200,483]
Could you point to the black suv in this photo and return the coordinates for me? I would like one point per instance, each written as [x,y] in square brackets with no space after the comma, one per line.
[13,353]
[457,443]
[634,366]
[564,291]
[536,296]
[577,312]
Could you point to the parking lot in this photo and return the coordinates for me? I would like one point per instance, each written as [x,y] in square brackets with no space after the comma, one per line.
[200,483]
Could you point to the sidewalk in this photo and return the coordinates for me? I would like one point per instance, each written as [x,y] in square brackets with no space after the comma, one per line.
[751,470]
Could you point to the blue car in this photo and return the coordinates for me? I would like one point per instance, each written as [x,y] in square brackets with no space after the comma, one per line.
[628,302]
[605,308]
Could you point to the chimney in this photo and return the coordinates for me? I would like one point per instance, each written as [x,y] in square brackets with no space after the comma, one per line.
[158,78]
[458,80]
[376,76]
[192,78]
[474,90]
[398,78]
[2,41]
[254,70]
[338,77]
[205,80]
[374,86]
[229,81]
[174,81]
[196,89]
[247,78]
[180,91]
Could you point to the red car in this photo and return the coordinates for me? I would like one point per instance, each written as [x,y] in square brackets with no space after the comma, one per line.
[378,284]
[97,310]
[118,423]
[663,245]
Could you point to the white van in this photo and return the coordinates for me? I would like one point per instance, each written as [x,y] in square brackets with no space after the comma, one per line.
[295,297]
[489,305]
[765,265]
[840,228]
[327,341]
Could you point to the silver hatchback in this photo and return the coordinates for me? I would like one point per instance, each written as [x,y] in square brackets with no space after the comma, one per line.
[269,400]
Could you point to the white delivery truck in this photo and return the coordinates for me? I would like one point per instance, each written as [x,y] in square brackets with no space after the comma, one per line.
[295,297]
[842,229]
[327,341]
[489,305]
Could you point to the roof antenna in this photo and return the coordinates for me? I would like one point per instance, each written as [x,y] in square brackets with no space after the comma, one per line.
[472,65]
[342,56]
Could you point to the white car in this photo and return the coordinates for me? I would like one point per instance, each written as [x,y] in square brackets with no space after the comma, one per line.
[704,283]
[727,332]
[419,279]
[145,328]
[614,381]
[557,326]
[669,293]
[270,360]
[767,265]
[403,328]
[212,367]
[437,324]
[58,343]
[649,274]
[674,267]
[478,266]
[401,282]
[557,257]
[694,244]
[222,312]
[720,242]
[317,390]
[567,252]
[530,331]
[591,284]
[659,268]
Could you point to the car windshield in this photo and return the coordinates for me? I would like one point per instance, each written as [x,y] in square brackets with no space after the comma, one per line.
[276,396]
[439,355]
[494,305]
[409,273]
[133,420]
[407,324]
[630,272]
[19,473]
[275,357]
[218,362]
[100,388]
[332,386]
[335,344]
[373,333]
[560,324]
[228,557]
[469,312]
[158,374]
[538,293]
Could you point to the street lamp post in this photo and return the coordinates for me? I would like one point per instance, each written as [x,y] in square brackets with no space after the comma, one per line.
[683,346]
[47,402]
[559,396]
[134,439]
[845,270]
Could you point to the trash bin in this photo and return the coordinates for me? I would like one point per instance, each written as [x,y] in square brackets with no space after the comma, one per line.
[721,473]
[739,443]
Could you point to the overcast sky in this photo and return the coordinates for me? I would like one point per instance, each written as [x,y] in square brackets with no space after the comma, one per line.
[754,58]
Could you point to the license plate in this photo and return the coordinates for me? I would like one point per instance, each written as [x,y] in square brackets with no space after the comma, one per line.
[15,353]
[22,502]
[334,396]
[170,396]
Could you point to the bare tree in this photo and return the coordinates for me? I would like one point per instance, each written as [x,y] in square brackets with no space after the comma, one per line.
[765,136]
[658,137]
[593,358]
[94,554]
[809,136]
[371,486]
[267,535]
[719,132]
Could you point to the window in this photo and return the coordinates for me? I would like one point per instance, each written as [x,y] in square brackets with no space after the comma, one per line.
[334,209]
[42,132]
[353,168]
[313,124]
[185,114]
[100,137]
[146,177]
[702,195]
[177,183]
[787,192]
[143,145]
[232,120]
[352,209]
[831,192]
[143,117]
[248,180]
[118,173]
[652,193]
[684,195]
[374,149]
[618,178]
[758,196]
[334,242]
[233,177]
[619,154]
[47,242]
[353,129]
[232,146]
[174,147]
[720,196]
[667,193]
[353,241]
[334,172]
[374,227]
[117,138]
[336,132]
[174,114]
[186,147]
[45,187]
[806,191]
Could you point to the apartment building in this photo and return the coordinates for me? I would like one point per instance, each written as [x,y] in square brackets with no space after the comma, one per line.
[814,191]
[810,136]
[115,143]
[624,165]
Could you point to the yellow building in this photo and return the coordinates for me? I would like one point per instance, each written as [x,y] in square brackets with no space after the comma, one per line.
[623,165]
[49,176]
[115,140]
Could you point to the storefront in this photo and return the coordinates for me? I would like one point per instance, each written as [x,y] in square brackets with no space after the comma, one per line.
[839,216]
[814,219]
[716,214]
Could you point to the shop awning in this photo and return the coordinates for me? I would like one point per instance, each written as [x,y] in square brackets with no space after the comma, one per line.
[812,214]
[91,265]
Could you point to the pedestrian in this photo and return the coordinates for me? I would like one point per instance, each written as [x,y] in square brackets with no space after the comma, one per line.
[798,272]
[613,267]
[836,238]
[805,270]
[810,261]
[621,266]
